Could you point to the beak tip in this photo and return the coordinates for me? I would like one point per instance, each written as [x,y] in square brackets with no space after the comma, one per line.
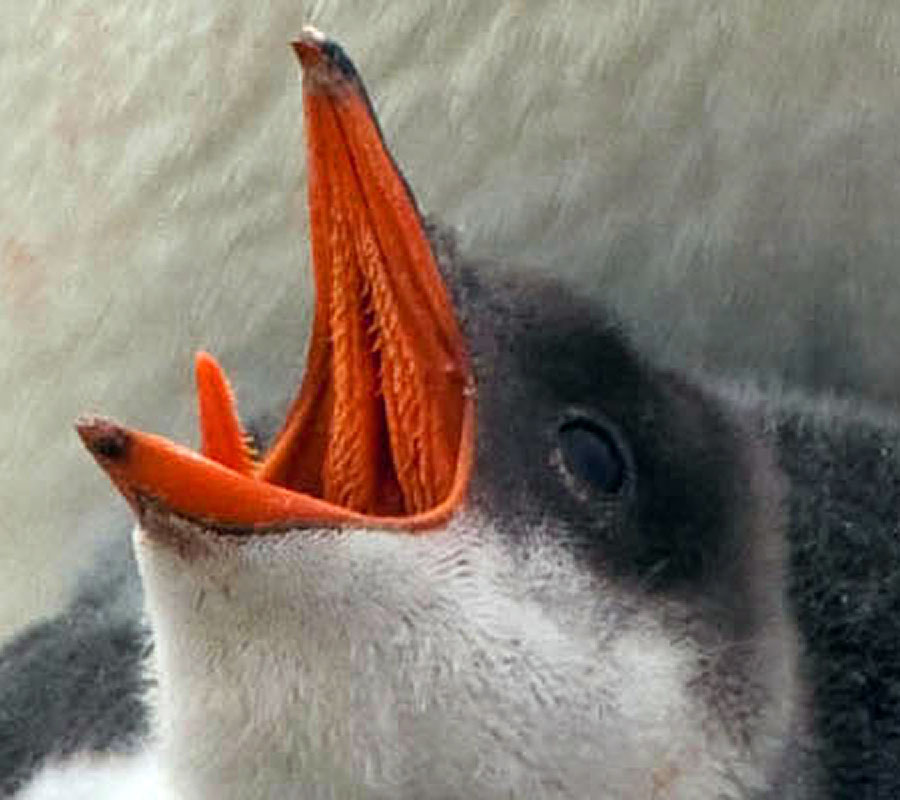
[323,60]
[308,46]
[104,439]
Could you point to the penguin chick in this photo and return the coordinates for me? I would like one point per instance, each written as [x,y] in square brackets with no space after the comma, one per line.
[493,552]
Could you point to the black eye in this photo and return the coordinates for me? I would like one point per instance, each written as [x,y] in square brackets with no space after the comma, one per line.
[591,455]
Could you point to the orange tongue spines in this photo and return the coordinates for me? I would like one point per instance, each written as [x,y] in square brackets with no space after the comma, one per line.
[333,441]
[357,236]
[386,348]
[350,471]
[422,355]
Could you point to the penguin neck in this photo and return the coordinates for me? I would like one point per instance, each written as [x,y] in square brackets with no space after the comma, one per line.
[291,660]
[343,662]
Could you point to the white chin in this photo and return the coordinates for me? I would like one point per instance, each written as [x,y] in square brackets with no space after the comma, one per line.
[383,665]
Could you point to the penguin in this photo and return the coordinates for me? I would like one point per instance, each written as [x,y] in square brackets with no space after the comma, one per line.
[493,552]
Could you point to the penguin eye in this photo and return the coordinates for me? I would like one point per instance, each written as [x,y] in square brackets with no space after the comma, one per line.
[590,454]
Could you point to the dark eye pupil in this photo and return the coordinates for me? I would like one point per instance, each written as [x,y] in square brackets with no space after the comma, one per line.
[591,455]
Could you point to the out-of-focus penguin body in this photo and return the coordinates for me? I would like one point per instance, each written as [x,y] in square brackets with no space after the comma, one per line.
[843,464]
[76,684]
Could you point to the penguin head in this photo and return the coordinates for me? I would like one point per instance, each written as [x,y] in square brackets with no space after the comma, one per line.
[493,552]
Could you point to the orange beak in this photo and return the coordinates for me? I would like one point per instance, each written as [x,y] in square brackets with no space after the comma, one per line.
[381,433]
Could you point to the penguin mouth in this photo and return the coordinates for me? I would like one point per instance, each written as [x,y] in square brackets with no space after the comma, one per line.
[381,432]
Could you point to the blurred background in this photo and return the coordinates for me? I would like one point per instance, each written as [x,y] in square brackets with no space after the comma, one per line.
[725,174]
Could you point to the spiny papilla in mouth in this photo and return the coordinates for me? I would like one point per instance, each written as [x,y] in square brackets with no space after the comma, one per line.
[381,432]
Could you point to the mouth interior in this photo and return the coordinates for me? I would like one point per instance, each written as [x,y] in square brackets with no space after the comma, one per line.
[381,429]
[377,423]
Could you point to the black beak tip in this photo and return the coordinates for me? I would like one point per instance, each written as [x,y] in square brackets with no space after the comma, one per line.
[103,438]
[322,57]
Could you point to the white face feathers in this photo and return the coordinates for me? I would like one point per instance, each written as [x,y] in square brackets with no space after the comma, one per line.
[382,665]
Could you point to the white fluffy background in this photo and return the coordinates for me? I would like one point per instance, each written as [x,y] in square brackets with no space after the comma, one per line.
[726,174]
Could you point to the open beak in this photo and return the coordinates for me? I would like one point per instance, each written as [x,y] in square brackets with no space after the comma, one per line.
[381,433]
